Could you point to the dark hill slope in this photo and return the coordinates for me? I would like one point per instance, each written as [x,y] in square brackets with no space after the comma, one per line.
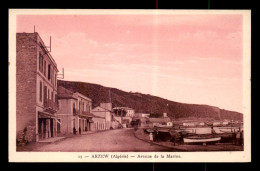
[148,103]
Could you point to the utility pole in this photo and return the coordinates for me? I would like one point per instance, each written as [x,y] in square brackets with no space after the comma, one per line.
[110,96]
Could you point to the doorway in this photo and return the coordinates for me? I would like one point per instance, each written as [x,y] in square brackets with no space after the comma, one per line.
[42,128]
[51,126]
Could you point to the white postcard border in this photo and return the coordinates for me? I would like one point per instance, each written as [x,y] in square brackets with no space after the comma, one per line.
[236,156]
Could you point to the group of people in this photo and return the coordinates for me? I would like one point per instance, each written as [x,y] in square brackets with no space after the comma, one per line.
[177,138]
[238,137]
[75,131]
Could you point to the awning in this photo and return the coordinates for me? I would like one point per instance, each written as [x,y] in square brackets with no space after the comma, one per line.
[45,115]
[90,120]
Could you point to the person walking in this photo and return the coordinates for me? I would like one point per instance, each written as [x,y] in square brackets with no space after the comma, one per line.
[151,138]
[238,137]
[212,130]
[74,131]
[156,136]
[242,137]
[234,138]
[177,138]
[181,138]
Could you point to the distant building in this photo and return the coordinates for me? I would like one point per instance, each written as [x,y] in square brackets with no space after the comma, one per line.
[124,115]
[169,124]
[74,112]
[162,121]
[144,122]
[201,123]
[225,123]
[216,123]
[189,124]
[36,88]
[124,111]
[105,111]
[142,115]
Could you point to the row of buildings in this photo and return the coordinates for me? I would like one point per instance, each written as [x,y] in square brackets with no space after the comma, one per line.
[44,109]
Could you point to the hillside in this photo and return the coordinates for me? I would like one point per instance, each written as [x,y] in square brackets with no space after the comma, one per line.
[147,103]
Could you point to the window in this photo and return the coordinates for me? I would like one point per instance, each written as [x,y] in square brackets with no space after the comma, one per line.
[40,62]
[45,94]
[55,79]
[74,108]
[51,75]
[49,71]
[40,91]
[44,68]
[52,95]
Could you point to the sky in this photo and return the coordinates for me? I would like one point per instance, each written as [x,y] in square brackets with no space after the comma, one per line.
[184,58]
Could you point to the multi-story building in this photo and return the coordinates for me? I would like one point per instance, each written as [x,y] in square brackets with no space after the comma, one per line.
[36,88]
[124,111]
[74,112]
[124,115]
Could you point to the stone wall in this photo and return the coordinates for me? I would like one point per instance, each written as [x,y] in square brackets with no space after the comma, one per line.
[26,68]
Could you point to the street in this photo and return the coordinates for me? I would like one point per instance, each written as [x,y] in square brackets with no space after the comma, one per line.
[119,140]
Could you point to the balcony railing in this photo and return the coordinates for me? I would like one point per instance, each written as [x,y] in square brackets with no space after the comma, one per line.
[80,112]
[85,113]
[50,106]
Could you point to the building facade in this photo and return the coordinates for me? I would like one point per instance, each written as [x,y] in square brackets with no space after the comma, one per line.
[142,115]
[36,88]
[105,111]
[124,111]
[74,112]
[161,121]
[124,115]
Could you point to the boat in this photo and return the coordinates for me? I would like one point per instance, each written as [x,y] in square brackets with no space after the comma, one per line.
[201,139]
[148,130]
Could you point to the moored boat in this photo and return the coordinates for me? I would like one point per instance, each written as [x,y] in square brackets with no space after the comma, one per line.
[199,139]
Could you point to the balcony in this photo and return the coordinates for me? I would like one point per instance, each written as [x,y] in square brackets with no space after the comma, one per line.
[80,112]
[50,106]
[85,113]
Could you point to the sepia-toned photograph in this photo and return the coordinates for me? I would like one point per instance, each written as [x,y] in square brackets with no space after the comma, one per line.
[129,85]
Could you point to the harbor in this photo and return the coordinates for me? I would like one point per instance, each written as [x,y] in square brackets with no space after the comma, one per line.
[194,137]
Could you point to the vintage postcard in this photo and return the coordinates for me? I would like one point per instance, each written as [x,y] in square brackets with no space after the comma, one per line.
[129,85]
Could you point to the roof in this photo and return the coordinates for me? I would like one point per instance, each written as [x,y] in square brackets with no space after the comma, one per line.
[160,120]
[64,93]
[82,96]
[104,109]
[125,108]
[92,116]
